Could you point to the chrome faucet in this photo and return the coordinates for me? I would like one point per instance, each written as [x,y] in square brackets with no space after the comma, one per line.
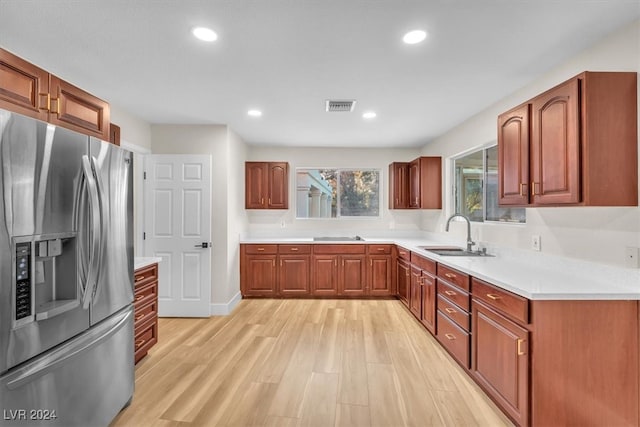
[470,242]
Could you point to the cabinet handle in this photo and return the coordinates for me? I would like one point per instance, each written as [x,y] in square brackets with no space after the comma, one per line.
[380,249]
[522,189]
[140,343]
[138,278]
[139,297]
[260,249]
[57,111]
[335,262]
[450,293]
[402,253]
[280,263]
[493,297]
[520,351]
[47,102]
[450,336]
[343,263]
[533,188]
[370,263]
[449,310]
[138,317]
[262,201]
[450,275]
[273,262]
[295,249]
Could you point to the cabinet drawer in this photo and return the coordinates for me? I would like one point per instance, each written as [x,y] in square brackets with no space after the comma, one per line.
[454,294]
[455,313]
[339,249]
[424,263]
[145,338]
[379,249]
[509,304]
[453,339]
[145,275]
[145,294]
[404,253]
[261,249]
[144,313]
[453,276]
[294,249]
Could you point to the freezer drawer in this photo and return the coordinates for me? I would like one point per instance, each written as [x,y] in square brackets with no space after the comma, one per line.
[83,382]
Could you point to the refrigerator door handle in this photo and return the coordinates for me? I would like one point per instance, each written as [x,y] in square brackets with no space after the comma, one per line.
[64,355]
[94,254]
[101,197]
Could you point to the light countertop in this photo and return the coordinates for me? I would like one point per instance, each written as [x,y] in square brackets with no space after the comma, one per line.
[533,275]
[141,262]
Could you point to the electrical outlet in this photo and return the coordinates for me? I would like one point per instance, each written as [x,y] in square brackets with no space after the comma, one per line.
[535,242]
[632,257]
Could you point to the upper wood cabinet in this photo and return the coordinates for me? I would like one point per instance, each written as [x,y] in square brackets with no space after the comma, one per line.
[399,185]
[575,144]
[266,185]
[29,90]
[23,87]
[416,185]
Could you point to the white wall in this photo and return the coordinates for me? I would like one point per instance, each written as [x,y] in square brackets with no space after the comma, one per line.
[268,222]
[596,234]
[227,222]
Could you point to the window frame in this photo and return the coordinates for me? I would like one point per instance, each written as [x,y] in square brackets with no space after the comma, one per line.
[454,179]
[338,201]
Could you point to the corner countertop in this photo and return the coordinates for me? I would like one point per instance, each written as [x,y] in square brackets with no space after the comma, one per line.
[141,262]
[533,275]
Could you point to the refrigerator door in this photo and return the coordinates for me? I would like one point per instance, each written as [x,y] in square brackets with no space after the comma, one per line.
[84,382]
[40,188]
[113,167]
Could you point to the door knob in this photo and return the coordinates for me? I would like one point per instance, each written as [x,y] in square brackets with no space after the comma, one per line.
[203,245]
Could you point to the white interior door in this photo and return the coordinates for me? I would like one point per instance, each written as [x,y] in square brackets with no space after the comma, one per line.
[177,192]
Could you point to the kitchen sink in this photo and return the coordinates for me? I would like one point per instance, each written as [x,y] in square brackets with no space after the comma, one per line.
[338,239]
[453,251]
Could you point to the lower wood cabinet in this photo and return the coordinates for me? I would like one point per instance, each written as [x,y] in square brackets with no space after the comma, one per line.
[501,360]
[415,292]
[352,270]
[403,280]
[145,304]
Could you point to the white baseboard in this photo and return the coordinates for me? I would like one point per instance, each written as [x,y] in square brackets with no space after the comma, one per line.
[225,309]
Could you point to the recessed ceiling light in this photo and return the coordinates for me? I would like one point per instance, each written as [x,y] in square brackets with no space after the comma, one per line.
[254,113]
[415,36]
[368,115]
[205,34]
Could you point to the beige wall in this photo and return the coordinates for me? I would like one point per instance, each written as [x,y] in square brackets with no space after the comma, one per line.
[228,152]
[133,130]
[265,221]
[597,234]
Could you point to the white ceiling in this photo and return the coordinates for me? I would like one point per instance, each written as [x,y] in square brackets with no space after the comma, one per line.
[286,57]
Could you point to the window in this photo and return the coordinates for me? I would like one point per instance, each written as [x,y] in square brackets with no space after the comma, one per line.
[337,193]
[476,188]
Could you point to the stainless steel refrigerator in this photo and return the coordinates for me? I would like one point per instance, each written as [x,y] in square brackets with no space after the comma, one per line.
[66,276]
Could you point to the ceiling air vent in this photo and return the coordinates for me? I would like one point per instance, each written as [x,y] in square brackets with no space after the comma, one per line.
[340,106]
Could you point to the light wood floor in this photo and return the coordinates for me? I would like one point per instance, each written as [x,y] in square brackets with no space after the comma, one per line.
[304,362]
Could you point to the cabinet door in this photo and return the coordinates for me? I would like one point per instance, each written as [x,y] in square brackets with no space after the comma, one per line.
[415,293]
[353,275]
[260,276]
[501,360]
[78,110]
[414,184]
[513,156]
[324,275]
[24,88]
[380,280]
[555,142]
[255,192]
[278,185]
[293,275]
[402,281]
[428,317]
[398,185]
